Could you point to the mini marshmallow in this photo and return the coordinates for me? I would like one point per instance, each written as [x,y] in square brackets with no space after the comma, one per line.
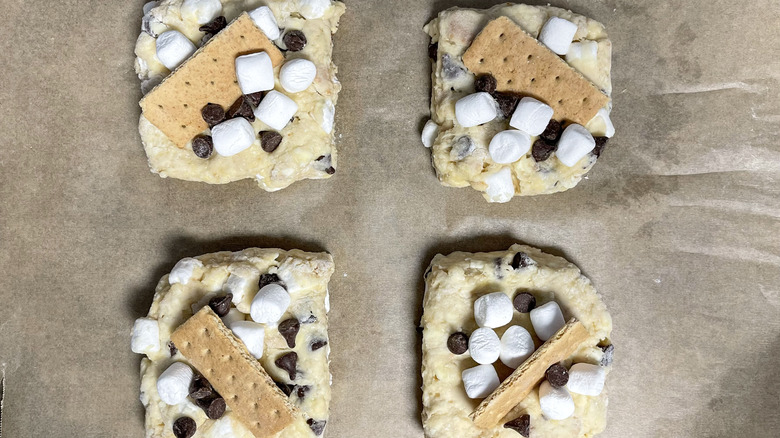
[484,346]
[585,50]
[547,319]
[480,381]
[202,11]
[475,109]
[493,310]
[269,304]
[146,336]
[183,270]
[328,114]
[603,116]
[232,136]
[265,20]
[233,315]
[557,34]
[255,72]
[173,385]
[297,74]
[240,284]
[531,116]
[575,143]
[173,48]
[429,133]
[276,110]
[251,334]
[556,403]
[500,186]
[506,147]
[516,346]
[313,9]
[221,428]
[586,379]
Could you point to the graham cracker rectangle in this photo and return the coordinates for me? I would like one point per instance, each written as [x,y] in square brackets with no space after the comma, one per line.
[523,380]
[523,65]
[237,376]
[209,76]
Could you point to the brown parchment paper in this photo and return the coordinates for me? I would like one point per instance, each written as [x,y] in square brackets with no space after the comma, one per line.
[677,224]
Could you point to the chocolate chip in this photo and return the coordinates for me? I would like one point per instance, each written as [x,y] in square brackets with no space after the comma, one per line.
[311,319]
[463,147]
[521,260]
[506,102]
[215,26]
[254,98]
[286,389]
[295,40]
[241,108]
[213,114]
[433,50]
[486,83]
[221,305]
[172,348]
[552,131]
[524,302]
[600,143]
[270,140]
[289,330]
[451,68]
[557,375]
[267,279]
[330,170]
[458,343]
[203,146]
[542,150]
[184,427]
[521,425]
[213,407]
[301,391]
[316,426]
[200,388]
[288,362]
[316,345]
[606,358]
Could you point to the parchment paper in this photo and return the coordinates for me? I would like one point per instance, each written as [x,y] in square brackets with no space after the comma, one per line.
[677,224]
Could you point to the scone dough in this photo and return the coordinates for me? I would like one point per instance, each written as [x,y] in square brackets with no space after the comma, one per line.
[305,276]
[452,285]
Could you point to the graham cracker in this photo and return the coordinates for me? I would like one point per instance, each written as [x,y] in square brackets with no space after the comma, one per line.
[523,65]
[209,76]
[524,379]
[237,376]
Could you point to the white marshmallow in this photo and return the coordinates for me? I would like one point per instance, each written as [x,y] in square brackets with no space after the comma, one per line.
[475,109]
[328,115]
[297,74]
[429,133]
[202,11]
[484,346]
[313,9]
[276,110]
[606,123]
[516,346]
[506,147]
[265,20]
[557,34]
[222,428]
[327,304]
[575,143]
[586,379]
[584,50]
[146,336]
[183,270]
[173,48]
[232,136]
[556,403]
[173,385]
[500,186]
[480,381]
[255,72]
[239,284]
[531,116]
[547,319]
[251,334]
[233,315]
[269,304]
[493,310]
[148,6]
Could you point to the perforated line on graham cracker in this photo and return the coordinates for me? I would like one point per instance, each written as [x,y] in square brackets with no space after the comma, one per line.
[237,376]
[209,76]
[522,65]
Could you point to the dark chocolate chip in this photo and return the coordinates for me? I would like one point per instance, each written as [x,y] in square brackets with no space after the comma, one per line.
[289,330]
[213,114]
[521,425]
[330,170]
[254,98]
[311,319]
[506,102]
[172,348]
[286,389]
[288,362]
[542,150]
[316,426]
[267,279]
[213,407]
[295,40]
[200,388]
[458,343]
[433,50]
[301,391]
[221,305]
[215,26]
[557,375]
[606,358]
[521,260]
[241,108]
[270,140]
[184,427]
[463,147]
[486,83]
[552,131]
[203,146]
[524,302]
[316,345]
[600,143]
[451,68]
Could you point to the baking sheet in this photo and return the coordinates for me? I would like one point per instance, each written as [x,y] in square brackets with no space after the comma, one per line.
[677,225]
